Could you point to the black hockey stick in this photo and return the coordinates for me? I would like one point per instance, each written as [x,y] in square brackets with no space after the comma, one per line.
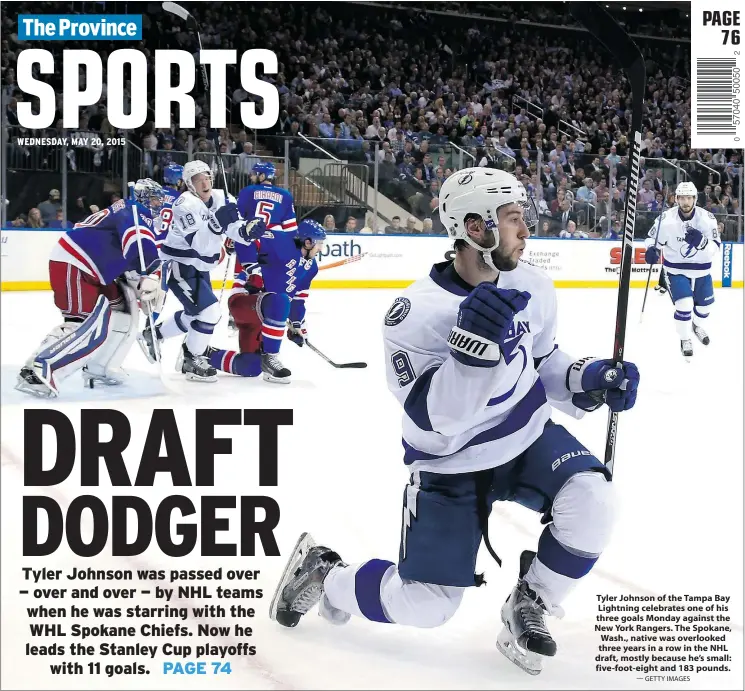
[658,221]
[618,43]
[184,14]
[338,365]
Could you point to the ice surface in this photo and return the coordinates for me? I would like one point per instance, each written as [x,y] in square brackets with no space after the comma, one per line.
[678,474]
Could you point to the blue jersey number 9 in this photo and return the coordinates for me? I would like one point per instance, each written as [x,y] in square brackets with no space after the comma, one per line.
[402,368]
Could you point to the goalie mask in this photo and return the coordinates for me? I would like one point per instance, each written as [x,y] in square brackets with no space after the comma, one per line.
[479,193]
[149,193]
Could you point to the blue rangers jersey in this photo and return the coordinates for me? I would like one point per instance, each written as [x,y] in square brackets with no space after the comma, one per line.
[459,418]
[104,245]
[278,259]
[678,256]
[273,205]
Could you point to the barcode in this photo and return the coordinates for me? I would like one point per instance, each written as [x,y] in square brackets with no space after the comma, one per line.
[715,96]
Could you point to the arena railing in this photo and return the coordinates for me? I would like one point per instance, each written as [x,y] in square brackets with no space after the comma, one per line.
[341,182]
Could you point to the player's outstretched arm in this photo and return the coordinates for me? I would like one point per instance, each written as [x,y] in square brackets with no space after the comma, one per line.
[578,386]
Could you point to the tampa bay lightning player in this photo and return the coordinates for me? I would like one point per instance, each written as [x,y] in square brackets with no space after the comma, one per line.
[471,357]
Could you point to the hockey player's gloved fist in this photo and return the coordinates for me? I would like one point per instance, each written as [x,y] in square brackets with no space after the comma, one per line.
[254,283]
[150,293]
[484,320]
[595,381]
[226,215]
[696,238]
[652,255]
[229,246]
[297,332]
[252,230]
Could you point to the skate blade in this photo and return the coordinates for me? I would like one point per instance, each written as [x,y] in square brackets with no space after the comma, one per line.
[193,377]
[276,380]
[90,380]
[299,552]
[527,661]
[24,387]
[145,349]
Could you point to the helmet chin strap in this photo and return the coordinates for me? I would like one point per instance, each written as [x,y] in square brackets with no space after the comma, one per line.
[486,253]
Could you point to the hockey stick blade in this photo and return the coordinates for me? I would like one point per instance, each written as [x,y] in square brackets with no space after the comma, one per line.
[179,11]
[338,365]
[626,53]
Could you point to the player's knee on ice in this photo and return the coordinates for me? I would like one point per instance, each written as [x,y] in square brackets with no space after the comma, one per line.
[424,605]
[584,512]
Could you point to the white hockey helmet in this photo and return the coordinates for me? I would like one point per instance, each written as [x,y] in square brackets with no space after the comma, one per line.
[481,191]
[193,168]
[686,189]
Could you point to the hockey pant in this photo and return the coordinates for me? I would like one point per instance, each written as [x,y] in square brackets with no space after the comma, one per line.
[692,298]
[246,362]
[442,531]
[76,292]
[100,343]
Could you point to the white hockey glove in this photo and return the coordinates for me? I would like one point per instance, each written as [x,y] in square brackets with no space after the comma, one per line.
[150,293]
[297,332]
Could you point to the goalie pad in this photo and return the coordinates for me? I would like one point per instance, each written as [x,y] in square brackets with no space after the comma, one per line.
[69,354]
[105,364]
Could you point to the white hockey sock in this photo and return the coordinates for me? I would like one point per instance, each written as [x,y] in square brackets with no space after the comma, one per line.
[683,325]
[374,590]
[699,315]
[199,337]
[176,325]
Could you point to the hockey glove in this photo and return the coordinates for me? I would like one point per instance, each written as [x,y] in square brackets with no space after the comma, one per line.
[594,381]
[254,284]
[226,215]
[297,332]
[229,246]
[652,255]
[484,320]
[150,293]
[252,230]
[695,238]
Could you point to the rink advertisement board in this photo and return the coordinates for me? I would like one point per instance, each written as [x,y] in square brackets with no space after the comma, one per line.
[389,261]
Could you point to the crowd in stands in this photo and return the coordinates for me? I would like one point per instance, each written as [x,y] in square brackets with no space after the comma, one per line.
[508,91]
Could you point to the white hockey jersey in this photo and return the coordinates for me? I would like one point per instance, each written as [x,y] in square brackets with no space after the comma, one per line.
[195,237]
[459,418]
[678,256]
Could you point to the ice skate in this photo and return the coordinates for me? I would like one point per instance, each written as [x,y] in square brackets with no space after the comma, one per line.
[274,371]
[686,347]
[110,378]
[701,335]
[525,640]
[145,341]
[29,382]
[660,289]
[301,585]
[196,367]
[180,359]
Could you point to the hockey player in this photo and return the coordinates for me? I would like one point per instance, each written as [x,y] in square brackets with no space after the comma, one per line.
[689,239]
[202,216]
[96,275]
[264,280]
[275,207]
[471,357]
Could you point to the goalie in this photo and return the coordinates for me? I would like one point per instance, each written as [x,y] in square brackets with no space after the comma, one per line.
[95,273]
